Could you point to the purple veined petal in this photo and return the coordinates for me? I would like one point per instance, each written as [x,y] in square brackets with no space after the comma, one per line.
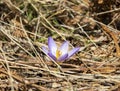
[52,45]
[45,50]
[52,56]
[63,57]
[73,51]
[64,48]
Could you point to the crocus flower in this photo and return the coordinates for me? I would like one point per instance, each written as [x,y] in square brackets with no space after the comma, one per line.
[59,54]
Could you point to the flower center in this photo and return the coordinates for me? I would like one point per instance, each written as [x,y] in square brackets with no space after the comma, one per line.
[58,53]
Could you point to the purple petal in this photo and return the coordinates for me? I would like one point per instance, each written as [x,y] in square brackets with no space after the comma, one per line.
[63,57]
[52,56]
[73,51]
[52,45]
[64,48]
[45,50]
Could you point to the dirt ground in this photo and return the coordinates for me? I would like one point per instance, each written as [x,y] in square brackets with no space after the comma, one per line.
[92,25]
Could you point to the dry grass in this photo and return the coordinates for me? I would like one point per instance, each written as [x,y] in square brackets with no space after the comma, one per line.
[93,25]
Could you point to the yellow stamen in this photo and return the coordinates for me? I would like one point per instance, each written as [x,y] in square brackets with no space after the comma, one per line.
[58,53]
